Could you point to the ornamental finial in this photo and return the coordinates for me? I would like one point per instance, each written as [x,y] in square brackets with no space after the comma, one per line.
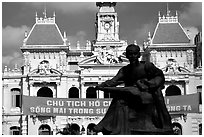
[54,14]
[45,12]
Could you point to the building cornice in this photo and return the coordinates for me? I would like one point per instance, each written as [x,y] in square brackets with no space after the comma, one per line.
[177,45]
[102,65]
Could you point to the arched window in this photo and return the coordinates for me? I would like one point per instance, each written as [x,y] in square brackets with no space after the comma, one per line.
[16,97]
[14,130]
[45,92]
[172,91]
[65,130]
[177,129]
[90,129]
[44,130]
[75,129]
[91,92]
[73,92]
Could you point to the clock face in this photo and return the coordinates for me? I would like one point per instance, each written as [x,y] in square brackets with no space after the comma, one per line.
[107,25]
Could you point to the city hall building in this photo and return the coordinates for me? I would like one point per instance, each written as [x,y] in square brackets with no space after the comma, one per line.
[55,86]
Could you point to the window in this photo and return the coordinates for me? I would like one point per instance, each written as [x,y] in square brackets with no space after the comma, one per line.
[16,97]
[172,90]
[73,92]
[15,130]
[73,65]
[75,129]
[45,92]
[91,92]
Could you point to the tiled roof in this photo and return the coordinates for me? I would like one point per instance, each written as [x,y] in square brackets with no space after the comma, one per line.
[169,33]
[45,34]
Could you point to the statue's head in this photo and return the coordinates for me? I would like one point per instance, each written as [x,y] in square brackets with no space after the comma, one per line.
[133,53]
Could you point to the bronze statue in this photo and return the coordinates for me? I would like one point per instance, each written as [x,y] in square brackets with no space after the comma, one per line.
[139,107]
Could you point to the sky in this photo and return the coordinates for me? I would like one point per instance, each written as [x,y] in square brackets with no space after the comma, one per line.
[77,20]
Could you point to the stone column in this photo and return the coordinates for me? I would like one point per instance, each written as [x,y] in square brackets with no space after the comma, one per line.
[101,94]
[31,89]
[83,90]
[186,90]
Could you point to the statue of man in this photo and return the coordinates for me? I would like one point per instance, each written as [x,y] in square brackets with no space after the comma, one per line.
[138,108]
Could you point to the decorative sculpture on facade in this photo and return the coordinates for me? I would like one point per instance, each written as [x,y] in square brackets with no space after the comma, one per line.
[44,68]
[172,66]
[107,57]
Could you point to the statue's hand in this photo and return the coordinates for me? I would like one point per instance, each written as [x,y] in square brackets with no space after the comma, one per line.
[149,83]
[142,84]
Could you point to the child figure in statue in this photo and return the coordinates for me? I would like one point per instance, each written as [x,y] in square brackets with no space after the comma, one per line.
[138,108]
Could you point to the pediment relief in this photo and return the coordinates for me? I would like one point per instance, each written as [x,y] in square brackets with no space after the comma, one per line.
[50,71]
[172,67]
[107,58]
[44,69]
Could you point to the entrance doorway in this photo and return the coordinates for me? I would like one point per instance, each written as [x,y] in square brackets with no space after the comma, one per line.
[44,130]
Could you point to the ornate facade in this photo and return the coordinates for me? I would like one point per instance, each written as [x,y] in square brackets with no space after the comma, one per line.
[171,49]
[53,69]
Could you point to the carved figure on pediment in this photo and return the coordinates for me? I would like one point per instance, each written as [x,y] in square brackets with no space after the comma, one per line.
[172,66]
[107,57]
[44,67]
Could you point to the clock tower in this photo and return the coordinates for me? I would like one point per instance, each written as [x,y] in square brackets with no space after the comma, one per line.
[107,25]
[107,42]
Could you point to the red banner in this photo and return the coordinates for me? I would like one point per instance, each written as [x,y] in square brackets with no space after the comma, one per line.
[97,107]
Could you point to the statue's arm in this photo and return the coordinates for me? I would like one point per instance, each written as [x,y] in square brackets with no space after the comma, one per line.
[156,76]
[116,80]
